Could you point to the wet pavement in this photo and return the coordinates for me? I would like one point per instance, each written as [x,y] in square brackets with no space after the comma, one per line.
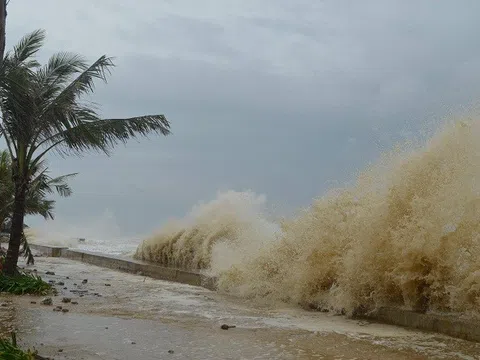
[123,316]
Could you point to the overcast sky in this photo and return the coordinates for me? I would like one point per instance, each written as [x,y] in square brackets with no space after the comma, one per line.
[283,97]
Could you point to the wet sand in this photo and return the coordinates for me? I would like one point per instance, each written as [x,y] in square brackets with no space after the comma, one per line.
[123,316]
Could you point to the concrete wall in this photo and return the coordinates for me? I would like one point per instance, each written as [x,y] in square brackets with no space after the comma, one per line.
[452,325]
[139,267]
[51,251]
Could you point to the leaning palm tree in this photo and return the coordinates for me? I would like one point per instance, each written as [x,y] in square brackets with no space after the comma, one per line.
[37,201]
[44,109]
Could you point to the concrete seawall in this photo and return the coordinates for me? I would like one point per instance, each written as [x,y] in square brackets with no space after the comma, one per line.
[129,265]
[452,325]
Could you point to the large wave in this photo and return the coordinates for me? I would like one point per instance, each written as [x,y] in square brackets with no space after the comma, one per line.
[406,234]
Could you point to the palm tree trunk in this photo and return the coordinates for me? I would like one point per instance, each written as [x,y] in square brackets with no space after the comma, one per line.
[3,22]
[16,230]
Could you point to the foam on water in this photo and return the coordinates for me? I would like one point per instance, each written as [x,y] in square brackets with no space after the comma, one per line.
[406,234]
[101,234]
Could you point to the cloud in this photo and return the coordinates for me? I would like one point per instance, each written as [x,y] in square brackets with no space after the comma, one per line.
[265,95]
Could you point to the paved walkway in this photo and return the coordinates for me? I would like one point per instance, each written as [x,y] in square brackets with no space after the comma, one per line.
[122,316]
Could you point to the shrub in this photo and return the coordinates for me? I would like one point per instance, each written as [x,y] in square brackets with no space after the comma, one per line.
[10,351]
[24,284]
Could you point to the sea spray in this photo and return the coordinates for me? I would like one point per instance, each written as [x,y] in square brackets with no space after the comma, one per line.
[406,234]
[223,229]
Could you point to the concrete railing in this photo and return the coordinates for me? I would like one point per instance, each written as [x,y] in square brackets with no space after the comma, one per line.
[452,325]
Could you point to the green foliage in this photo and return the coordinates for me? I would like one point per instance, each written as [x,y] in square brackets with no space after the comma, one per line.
[41,186]
[10,351]
[24,284]
[45,108]
[37,202]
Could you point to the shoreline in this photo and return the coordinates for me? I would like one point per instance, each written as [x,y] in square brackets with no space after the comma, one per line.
[447,324]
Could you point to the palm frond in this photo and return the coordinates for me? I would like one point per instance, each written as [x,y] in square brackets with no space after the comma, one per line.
[60,184]
[26,251]
[28,46]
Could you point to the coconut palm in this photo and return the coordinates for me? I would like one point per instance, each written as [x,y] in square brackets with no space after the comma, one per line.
[36,199]
[44,109]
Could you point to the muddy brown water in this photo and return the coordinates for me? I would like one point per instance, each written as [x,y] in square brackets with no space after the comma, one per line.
[123,316]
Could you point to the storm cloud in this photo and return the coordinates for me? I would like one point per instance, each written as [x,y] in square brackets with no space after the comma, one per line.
[282,97]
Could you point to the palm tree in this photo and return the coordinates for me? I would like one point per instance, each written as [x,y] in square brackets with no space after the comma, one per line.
[43,110]
[36,202]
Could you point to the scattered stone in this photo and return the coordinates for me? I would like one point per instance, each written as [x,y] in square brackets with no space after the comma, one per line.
[106,327]
[33,302]
[81,295]
[64,310]
[51,281]
[74,284]
[65,288]
[133,342]
[108,285]
[66,300]
[363,323]
[226,327]
[171,351]
[50,273]
[74,303]
[68,277]
[79,291]
[34,270]
[84,281]
[59,307]
[47,301]
[60,350]
[61,283]
[4,305]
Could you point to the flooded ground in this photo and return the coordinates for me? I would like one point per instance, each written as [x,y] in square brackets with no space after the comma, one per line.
[123,316]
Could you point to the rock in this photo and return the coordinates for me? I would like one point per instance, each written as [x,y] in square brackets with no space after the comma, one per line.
[66,300]
[65,288]
[60,350]
[108,285]
[106,327]
[363,323]
[79,291]
[50,273]
[4,305]
[51,281]
[84,281]
[58,307]
[61,283]
[33,302]
[68,277]
[74,284]
[34,270]
[133,342]
[47,301]
[74,303]
[64,310]
[226,327]
[171,351]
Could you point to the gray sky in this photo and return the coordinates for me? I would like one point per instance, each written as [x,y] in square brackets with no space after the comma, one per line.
[278,96]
